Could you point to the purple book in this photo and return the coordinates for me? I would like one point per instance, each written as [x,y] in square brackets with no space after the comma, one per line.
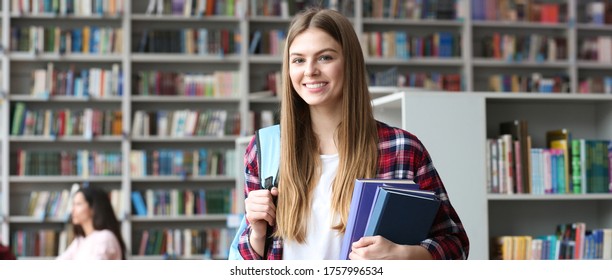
[178,6]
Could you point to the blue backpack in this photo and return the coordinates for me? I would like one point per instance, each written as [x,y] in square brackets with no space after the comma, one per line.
[268,160]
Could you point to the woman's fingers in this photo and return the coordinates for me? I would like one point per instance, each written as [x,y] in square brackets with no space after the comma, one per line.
[260,206]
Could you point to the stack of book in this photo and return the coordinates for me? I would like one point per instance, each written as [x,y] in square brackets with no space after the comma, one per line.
[395,209]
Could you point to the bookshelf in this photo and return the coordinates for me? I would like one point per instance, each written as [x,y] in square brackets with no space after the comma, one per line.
[465,66]
[127,62]
[463,121]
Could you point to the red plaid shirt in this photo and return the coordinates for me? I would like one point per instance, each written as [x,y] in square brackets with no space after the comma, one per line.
[401,156]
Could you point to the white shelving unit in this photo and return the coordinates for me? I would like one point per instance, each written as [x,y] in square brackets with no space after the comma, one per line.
[4,126]
[15,189]
[453,126]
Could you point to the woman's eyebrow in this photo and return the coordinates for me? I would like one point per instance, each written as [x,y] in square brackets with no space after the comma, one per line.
[321,51]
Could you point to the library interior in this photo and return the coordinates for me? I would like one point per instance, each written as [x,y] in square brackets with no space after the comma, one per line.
[156,101]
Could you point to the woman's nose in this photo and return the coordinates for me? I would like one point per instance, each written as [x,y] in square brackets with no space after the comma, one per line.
[310,70]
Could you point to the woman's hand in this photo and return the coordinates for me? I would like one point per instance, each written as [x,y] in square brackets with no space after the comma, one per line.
[260,212]
[379,248]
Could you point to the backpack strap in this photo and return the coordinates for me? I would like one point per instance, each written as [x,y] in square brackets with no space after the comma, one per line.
[268,155]
[268,159]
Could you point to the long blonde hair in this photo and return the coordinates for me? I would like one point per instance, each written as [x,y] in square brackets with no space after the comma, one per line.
[357,133]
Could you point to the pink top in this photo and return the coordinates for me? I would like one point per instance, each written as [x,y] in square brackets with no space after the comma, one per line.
[99,245]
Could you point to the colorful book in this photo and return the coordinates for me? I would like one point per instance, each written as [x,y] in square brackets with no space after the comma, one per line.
[562,139]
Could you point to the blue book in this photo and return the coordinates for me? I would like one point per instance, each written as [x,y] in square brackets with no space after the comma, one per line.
[203,41]
[85,80]
[70,82]
[403,216]
[255,42]
[78,87]
[203,162]
[94,41]
[77,41]
[163,169]
[202,199]
[139,204]
[361,204]
[120,84]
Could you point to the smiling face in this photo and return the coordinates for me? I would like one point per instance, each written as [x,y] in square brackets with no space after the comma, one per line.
[81,211]
[316,68]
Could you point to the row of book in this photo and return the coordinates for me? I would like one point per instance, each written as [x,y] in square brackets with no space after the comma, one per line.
[217,84]
[201,41]
[396,44]
[596,49]
[590,165]
[599,12]
[86,122]
[36,243]
[434,81]
[185,123]
[286,9]
[83,163]
[261,119]
[172,162]
[412,9]
[519,10]
[272,86]
[504,161]
[174,202]
[207,243]
[533,47]
[58,204]
[535,82]
[270,42]
[565,166]
[195,7]
[596,85]
[548,170]
[93,82]
[50,39]
[548,174]
[49,204]
[569,242]
[68,7]
[375,210]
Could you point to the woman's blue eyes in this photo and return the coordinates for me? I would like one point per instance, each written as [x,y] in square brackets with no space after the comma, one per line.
[321,58]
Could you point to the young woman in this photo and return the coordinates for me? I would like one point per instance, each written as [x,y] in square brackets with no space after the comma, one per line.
[96,229]
[329,138]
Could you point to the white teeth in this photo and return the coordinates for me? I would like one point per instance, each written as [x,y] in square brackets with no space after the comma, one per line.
[315,85]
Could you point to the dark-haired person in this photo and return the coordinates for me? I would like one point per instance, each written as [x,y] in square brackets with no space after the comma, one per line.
[329,138]
[96,229]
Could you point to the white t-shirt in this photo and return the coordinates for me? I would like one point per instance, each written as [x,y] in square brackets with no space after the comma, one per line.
[322,242]
[99,245]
